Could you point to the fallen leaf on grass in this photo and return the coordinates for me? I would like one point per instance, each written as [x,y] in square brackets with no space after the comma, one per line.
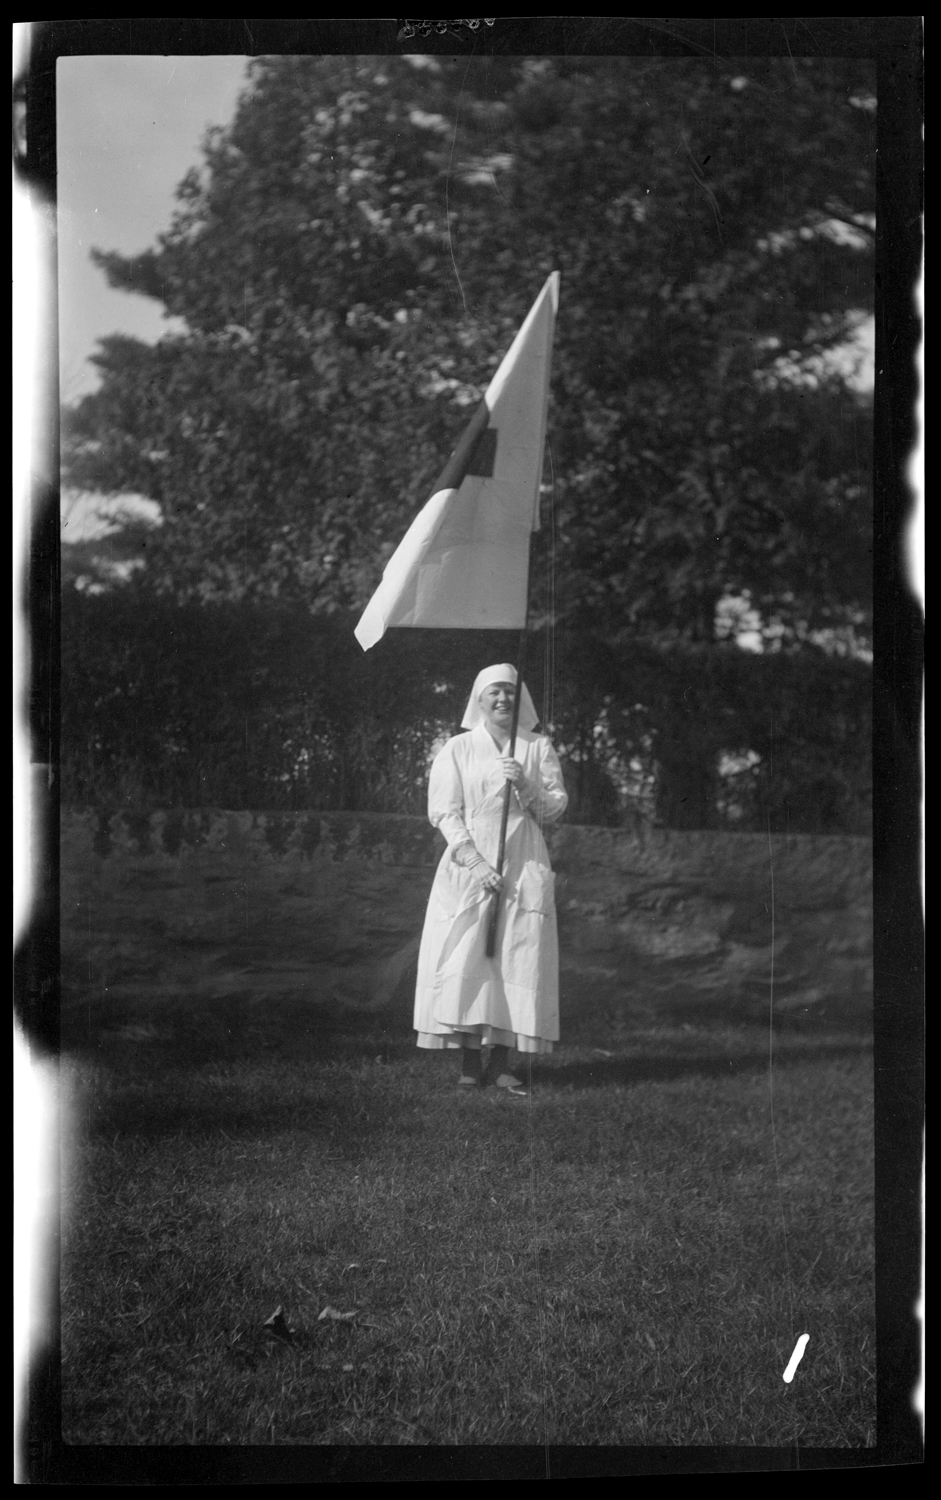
[336,1316]
[277,1327]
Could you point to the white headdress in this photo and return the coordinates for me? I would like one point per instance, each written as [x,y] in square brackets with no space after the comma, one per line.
[503,672]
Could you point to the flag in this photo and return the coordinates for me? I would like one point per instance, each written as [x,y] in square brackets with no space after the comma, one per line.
[464,561]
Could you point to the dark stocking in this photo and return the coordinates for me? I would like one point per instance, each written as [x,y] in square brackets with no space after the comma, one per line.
[470,1062]
[499,1061]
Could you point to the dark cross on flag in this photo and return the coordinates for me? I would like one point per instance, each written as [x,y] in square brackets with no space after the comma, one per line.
[463,563]
[474,454]
[484,455]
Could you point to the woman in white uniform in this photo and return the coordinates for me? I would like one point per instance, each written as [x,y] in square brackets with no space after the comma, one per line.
[463,998]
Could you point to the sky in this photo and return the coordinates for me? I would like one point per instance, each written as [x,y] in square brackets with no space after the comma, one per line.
[128,130]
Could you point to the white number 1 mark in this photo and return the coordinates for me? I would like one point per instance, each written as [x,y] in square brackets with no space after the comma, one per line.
[796,1357]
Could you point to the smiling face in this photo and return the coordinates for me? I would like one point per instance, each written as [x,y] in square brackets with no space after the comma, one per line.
[496,702]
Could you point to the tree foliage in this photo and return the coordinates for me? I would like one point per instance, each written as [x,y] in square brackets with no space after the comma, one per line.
[354,256]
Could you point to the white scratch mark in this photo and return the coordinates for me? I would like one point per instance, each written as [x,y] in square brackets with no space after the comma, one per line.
[796,1357]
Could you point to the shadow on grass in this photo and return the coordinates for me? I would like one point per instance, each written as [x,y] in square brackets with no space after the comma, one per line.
[240,1117]
[176,1033]
[604,1072]
[232,1068]
[246,1065]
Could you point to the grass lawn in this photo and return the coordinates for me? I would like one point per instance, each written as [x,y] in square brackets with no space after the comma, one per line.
[626,1257]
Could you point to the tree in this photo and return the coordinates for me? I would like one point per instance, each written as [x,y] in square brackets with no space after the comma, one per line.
[356,254]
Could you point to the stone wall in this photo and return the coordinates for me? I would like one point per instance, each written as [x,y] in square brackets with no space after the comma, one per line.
[327,909]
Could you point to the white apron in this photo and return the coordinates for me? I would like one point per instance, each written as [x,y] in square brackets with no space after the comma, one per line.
[462,996]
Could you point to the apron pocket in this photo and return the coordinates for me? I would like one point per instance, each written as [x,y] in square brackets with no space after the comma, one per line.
[535,889]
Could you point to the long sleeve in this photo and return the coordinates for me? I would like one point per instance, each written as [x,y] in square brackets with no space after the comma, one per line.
[547,799]
[446,800]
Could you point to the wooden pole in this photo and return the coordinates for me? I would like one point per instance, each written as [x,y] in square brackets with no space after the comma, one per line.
[494,912]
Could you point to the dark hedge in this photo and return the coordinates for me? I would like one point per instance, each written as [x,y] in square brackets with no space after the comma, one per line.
[268,706]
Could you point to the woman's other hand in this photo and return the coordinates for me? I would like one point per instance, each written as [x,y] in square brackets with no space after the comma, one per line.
[483,872]
[515,775]
[488,878]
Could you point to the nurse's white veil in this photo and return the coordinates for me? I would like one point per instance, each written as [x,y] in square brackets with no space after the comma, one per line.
[503,672]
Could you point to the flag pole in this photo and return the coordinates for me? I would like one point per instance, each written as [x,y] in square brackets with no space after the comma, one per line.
[460,562]
[494,912]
